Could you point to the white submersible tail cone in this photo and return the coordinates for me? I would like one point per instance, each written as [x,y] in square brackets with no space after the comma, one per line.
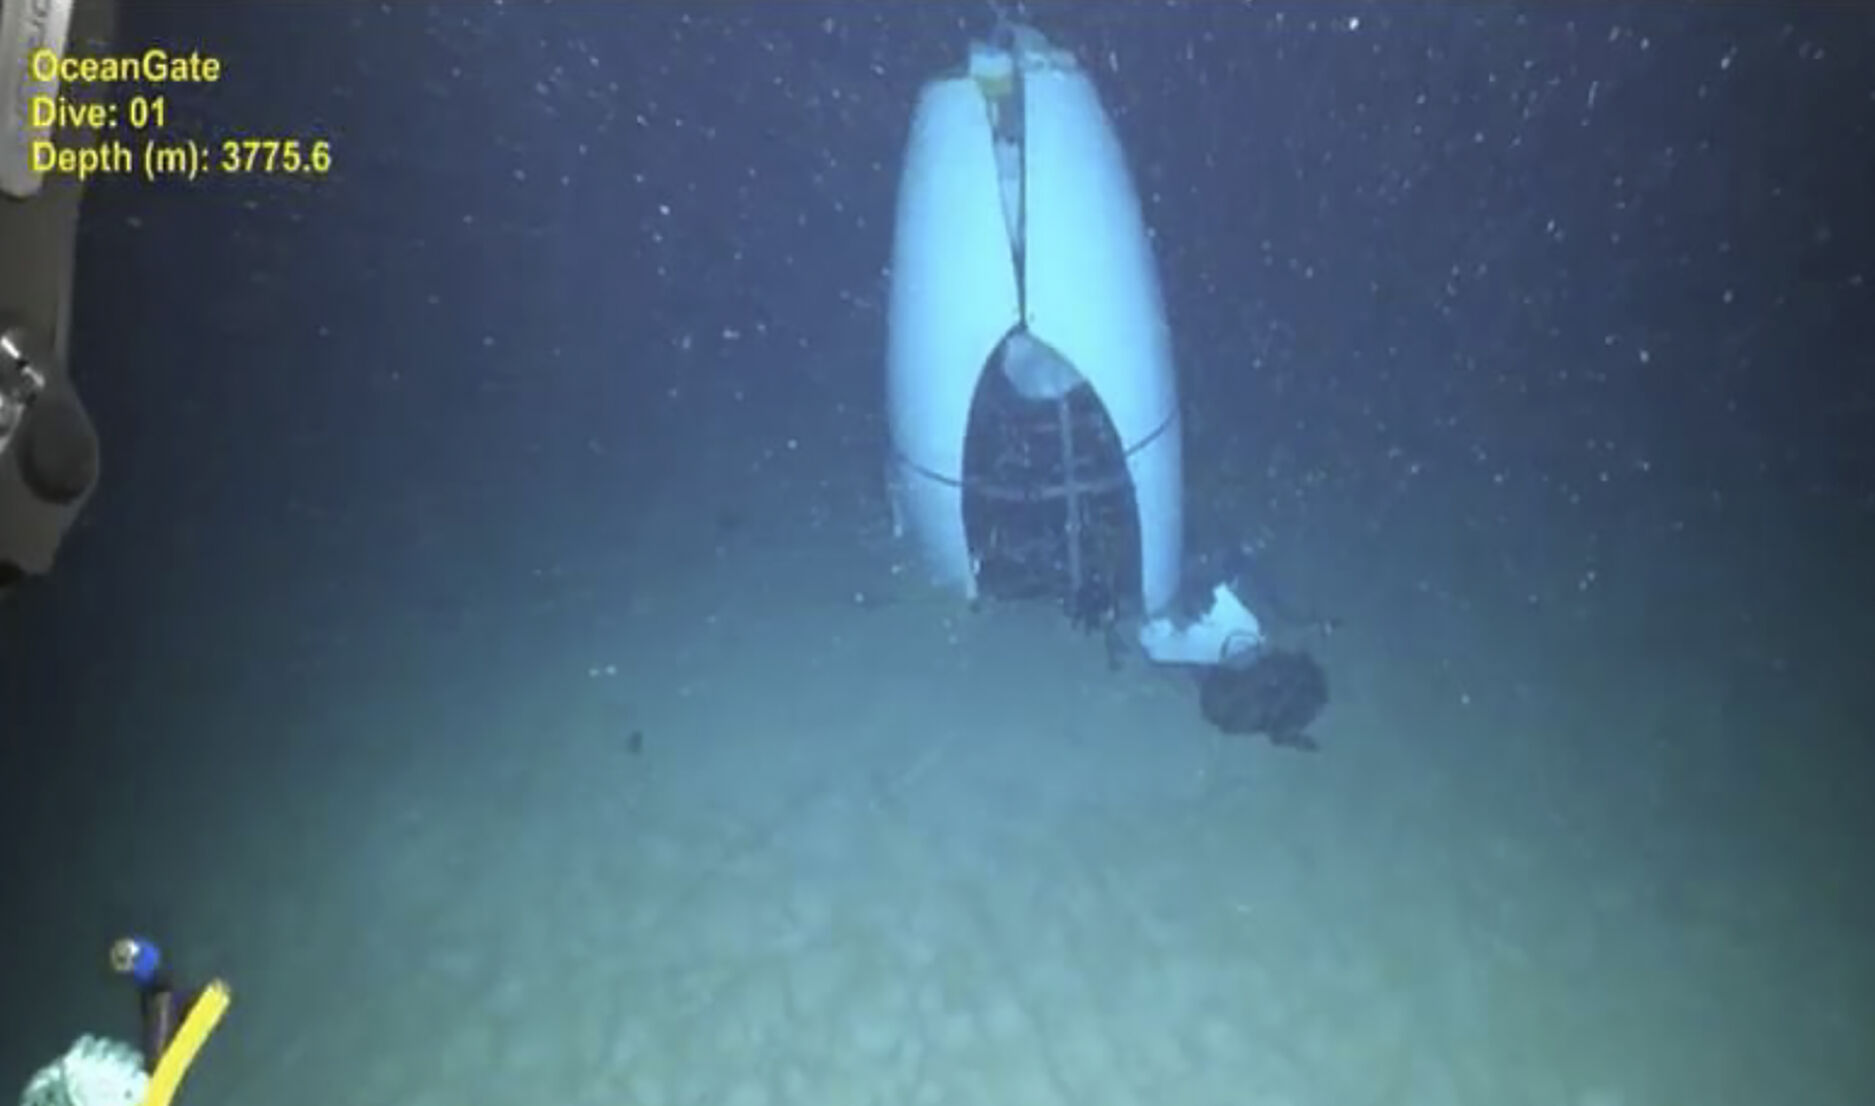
[1033,404]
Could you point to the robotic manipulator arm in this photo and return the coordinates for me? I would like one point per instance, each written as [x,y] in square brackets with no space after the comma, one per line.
[48,447]
[177,1022]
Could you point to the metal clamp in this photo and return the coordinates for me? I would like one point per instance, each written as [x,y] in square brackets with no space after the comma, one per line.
[24,370]
[48,452]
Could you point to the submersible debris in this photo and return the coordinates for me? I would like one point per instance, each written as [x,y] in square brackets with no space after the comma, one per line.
[1278,694]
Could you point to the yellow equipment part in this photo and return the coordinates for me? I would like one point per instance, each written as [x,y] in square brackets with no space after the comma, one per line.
[201,1020]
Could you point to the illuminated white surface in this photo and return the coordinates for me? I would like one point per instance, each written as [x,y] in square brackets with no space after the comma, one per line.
[1092,294]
